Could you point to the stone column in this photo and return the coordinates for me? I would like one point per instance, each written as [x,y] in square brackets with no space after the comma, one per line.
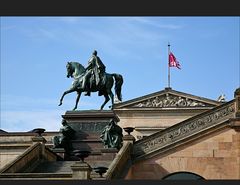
[81,170]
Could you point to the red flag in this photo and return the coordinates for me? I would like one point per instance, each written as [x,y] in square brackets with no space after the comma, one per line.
[173,61]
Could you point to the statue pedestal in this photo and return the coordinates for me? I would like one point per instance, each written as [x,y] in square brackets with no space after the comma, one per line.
[92,121]
[81,171]
[89,125]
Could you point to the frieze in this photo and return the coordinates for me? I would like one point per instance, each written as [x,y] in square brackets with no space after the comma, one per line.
[89,126]
[170,100]
[183,130]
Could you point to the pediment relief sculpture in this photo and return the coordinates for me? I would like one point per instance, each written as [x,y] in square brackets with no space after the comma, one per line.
[170,100]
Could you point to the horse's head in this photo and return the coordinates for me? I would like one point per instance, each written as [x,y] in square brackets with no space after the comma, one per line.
[74,69]
[70,70]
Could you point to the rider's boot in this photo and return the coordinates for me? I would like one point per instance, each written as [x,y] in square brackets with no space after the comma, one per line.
[87,88]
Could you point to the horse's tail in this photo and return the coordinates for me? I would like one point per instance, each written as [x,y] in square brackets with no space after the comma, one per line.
[118,85]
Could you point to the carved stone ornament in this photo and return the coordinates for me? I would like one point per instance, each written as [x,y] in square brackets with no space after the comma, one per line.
[183,130]
[89,127]
[170,101]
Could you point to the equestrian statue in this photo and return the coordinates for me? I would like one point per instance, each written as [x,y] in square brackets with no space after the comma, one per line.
[93,78]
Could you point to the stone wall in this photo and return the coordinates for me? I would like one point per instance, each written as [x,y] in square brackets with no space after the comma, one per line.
[148,122]
[25,160]
[14,144]
[216,156]
[7,155]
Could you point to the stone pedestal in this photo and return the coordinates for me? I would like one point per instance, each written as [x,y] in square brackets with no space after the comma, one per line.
[81,170]
[39,139]
[88,126]
[129,138]
[42,140]
[92,121]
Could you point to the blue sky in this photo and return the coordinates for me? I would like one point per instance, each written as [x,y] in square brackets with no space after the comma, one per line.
[35,50]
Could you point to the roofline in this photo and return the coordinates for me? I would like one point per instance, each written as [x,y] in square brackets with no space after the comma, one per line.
[166,90]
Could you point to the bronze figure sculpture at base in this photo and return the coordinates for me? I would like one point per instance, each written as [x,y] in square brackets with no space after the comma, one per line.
[112,135]
[64,139]
[93,78]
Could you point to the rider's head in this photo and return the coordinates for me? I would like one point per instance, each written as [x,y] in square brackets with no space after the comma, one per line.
[94,53]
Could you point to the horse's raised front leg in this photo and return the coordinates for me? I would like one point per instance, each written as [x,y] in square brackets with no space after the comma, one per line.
[106,100]
[66,92]
[77,99]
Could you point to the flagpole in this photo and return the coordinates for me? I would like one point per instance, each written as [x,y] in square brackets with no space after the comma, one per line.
[168,65]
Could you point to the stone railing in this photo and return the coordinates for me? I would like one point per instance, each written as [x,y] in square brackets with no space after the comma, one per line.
[25,160]
[119,163]
[48,155]
[35,176]
[183,131]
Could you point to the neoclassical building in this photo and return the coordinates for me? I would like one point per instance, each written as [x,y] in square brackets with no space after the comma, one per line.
[176,136]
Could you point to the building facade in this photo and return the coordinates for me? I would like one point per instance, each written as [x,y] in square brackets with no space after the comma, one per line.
[176,135]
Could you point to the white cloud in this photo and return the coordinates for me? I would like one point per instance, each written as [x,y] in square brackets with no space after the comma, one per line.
[12,121]
[21,113]
[27,118]
[70,19]
[157,23]
[48,33]
[14,102]
[20,101]
[111,33]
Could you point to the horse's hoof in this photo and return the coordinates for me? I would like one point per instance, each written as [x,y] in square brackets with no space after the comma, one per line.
[60,104]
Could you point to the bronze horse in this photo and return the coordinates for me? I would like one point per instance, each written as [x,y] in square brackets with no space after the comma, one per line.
[77,71]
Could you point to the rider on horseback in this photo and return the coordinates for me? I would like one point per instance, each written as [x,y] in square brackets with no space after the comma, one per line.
[95,78]
[95,69]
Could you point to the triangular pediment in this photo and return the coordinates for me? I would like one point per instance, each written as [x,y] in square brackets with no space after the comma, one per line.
[167,98]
